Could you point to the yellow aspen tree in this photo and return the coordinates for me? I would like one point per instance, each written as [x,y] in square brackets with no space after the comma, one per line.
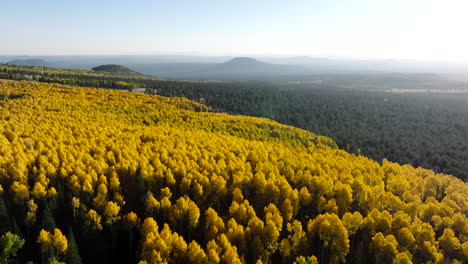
[59,241]
[44,240]
[403,258]
[213,251]
[330,230]
[449,243]
[406,238]
[343,197]
[305,197]
[287,210]
[195,254]
[75,202]
[237,195]
[20,191]
[236,234]
[31,214]
[385,248]
[231,257]
[114,183]
[214,224]
[93,220]
[152,204]
[255,232]
[465,250]
[306,260]
[100,201]
[352,222]
[111,212]
[193,214]
[38,191]
[131,218]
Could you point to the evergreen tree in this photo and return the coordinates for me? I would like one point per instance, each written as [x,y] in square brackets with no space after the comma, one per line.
[47,218]
[5,219]
[73,255]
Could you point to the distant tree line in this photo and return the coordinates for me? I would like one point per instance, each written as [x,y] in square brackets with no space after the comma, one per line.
[72,77]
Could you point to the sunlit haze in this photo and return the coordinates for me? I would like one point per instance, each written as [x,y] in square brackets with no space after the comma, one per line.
[401,29]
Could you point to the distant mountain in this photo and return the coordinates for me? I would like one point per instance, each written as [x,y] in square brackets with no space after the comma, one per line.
[199,67]
[244,65]
[250,68]
[30,62]
[114,68]
[244,61]
[237,68]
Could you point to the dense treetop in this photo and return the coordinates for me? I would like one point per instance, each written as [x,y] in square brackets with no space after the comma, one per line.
[98,176]
[427,130]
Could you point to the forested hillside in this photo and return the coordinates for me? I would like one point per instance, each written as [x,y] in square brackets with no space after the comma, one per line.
[114,68]
[427,130]
[107,76]
[98,176]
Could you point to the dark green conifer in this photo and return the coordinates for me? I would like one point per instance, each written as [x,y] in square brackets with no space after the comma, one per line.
[73,255]
[47,218]
[5,219]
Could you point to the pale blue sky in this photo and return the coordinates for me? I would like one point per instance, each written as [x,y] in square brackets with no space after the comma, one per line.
[413,29]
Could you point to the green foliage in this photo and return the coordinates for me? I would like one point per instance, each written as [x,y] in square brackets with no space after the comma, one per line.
[113,68]
[9,246]
[115,79]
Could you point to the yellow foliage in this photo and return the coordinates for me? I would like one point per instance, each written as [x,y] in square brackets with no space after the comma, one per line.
[250,182]
[75,202]
[59,241]
[21,191]
[93,220]
[31,215]
[38,191]
[44,239]
[111,212]
[131,218]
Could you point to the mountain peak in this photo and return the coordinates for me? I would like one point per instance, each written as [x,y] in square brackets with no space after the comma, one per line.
[243,60]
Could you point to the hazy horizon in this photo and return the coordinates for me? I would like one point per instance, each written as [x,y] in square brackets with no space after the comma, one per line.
[257,56]
[364,29]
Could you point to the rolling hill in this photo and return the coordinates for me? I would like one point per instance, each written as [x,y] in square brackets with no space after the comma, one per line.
[114,68]
[114,177]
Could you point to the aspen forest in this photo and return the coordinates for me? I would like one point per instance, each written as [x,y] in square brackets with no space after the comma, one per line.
[91,175]
[403,128]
